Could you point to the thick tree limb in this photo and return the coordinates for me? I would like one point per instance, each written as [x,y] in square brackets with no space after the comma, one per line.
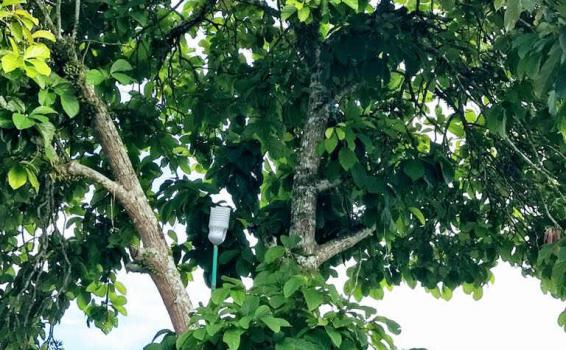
[330,249]
[75,168]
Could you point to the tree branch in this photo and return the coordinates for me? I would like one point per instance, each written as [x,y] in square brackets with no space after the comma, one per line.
[262,4]
[196,18]
[74,168]
[51,26]
[325,185]
[58,18]
[330,249]
[77,18]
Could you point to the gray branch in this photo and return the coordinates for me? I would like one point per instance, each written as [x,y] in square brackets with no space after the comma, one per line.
[75,168]
[330,249]
[77,19]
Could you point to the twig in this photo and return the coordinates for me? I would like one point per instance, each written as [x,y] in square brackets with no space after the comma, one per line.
[58,14]
[47,17]
[77,18]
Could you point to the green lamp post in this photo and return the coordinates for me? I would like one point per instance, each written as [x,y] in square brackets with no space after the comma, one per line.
[217,228]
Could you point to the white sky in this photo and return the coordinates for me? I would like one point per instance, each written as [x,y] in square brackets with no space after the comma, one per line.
[513,314]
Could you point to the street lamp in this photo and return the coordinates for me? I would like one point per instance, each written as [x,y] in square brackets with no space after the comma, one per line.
[217,228]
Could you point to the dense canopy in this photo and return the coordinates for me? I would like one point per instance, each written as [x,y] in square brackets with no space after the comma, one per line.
[422,141]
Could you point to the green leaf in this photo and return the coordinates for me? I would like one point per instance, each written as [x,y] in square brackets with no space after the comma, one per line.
[46,98]
[392,326]
[414,169]
[456,127]
[83,299]
[562,319]
[274,323]
[292,285]
[273,254]
[287,12]
[418,214]
[40,66]
[43,110]
[477,294]
[304,13]
[347,158]
[331,143]
[219,295]
[22,121]
[244,322]
[334,335]
[352,3]
[140,17]
[12,2]
[512,14]
[117,299]
[70,105]
[499,4]
[262,311]
[328,133]
[95,76]
[496,121]
[120,287]
[47,131]
[232,338]
[544,79]
[17,176]
[291,241]
[37,51]
[11,62]
[120,65]
[213,328]
[43,34]
[122,78]
[528,5]
[33,180]
[313,298]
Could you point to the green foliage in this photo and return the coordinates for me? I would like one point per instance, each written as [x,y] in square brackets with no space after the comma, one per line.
[447,133]
[285,308]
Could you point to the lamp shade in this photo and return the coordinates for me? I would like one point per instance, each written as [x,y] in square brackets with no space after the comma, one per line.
[218,224]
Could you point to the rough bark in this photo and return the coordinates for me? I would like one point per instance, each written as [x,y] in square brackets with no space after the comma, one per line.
[330,249]
[306,184]
[303,204]
[155,252]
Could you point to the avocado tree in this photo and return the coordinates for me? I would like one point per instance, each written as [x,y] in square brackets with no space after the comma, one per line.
[420,140]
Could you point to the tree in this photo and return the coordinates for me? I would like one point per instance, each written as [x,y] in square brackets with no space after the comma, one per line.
[422,140]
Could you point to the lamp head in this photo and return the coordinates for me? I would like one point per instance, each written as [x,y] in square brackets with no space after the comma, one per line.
[218,224]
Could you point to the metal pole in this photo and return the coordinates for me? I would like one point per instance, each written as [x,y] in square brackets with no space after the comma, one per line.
[214,266]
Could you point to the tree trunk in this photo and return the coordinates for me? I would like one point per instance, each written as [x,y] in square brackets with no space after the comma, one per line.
[155,253]
[306,184]
[303,204]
